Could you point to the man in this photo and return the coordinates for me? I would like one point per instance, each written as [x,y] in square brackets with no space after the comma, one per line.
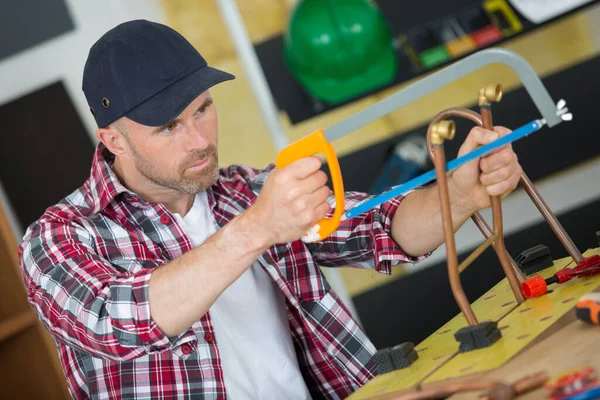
[163,276]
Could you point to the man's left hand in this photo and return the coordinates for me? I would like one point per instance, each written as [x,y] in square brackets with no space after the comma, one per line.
[496,174]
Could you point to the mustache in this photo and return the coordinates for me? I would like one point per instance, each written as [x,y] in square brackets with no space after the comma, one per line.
[199,156]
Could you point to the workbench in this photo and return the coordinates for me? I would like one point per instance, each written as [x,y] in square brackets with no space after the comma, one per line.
[541,334]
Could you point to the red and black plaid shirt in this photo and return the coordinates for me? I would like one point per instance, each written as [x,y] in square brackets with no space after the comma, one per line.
[87,261]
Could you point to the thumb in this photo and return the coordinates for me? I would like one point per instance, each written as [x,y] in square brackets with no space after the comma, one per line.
[476,138]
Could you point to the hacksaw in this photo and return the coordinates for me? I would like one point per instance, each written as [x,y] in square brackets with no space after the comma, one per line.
[320,141]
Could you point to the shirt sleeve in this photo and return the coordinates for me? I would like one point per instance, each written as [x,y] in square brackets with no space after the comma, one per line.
[86,302]
[364,241]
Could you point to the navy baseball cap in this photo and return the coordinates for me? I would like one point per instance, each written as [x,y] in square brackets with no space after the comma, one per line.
[145,71]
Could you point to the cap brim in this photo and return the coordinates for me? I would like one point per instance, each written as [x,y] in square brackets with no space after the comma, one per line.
[166,105]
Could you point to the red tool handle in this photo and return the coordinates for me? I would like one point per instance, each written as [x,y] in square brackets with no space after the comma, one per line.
[537,286]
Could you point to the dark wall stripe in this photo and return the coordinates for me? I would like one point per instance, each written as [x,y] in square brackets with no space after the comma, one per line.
[27,23]
[45,151]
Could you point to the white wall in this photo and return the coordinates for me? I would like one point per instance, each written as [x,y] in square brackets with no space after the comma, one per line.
[63,58]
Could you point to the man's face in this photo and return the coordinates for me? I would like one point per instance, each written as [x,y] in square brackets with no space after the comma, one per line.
[181,155]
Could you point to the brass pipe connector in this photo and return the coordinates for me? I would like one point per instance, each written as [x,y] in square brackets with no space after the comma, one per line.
[442,130]
[489,94]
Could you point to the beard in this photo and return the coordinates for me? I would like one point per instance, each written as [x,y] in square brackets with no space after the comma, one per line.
[185,181]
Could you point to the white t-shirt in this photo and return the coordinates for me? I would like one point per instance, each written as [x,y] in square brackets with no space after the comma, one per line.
[251,327]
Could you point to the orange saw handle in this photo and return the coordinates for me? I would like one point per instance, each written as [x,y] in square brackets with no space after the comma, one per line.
[306,147]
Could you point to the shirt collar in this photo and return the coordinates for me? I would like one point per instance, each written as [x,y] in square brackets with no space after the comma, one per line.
[104,184]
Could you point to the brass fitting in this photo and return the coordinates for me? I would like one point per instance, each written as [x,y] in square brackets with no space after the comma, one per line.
[442,130]
[490,93]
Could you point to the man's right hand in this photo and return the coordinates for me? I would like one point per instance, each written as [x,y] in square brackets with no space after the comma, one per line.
[292,200]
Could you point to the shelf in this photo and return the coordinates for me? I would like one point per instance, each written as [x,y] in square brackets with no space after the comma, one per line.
[16,324]
[424,40]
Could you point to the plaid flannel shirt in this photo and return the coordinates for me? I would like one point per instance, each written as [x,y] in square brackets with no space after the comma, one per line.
[87,261]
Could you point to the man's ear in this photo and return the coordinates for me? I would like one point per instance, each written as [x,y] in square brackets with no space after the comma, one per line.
[113,139]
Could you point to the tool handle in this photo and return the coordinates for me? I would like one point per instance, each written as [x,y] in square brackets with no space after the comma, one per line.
[306,147]
[588,311]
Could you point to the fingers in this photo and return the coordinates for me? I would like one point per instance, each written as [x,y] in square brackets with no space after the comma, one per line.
[505,186]
[502,130]
[318,200]
[312,207]
[308,185]
[476,138]
[303,167]
[503,158]
[480,136]
[500,174]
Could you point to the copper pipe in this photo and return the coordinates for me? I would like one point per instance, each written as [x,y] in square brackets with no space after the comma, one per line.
[487,232]
[495,390]
[531,191]
[476,217]
[476,253]
[559,231]
[531,382]
[451,256]
[515,285]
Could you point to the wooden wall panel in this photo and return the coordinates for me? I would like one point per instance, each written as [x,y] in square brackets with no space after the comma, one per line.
[201,23]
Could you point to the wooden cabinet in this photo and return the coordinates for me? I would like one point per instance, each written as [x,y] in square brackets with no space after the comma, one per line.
[29,365]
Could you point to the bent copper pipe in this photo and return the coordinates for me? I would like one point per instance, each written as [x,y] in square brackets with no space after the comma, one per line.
[472,116]
[437,154]
[515,285]
[551,219]
[527,185]
[451,256]
[495,390]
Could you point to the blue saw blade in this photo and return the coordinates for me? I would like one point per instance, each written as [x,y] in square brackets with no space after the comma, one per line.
[429,176]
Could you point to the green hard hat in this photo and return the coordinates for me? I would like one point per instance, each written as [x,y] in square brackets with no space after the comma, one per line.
[339,49]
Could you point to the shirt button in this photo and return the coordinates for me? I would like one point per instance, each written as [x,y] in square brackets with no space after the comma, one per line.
[165,219]
[186,349]
[135,199]
[209,337]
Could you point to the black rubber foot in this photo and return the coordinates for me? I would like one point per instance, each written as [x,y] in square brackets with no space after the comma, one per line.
[478,336]
[403,355]
[534,259]
[397,357]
